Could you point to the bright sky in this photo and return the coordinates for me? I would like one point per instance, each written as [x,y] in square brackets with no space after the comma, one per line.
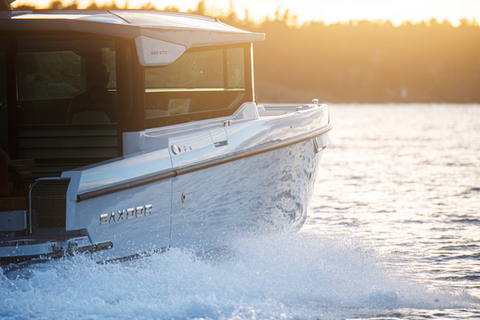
[329,11]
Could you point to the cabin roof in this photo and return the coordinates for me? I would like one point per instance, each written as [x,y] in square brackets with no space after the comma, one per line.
[184,29]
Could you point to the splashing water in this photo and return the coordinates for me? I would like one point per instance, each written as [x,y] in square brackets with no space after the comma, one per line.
[283,276]
[392,233]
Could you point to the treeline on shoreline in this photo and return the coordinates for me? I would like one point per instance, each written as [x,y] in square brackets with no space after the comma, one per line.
[360,61]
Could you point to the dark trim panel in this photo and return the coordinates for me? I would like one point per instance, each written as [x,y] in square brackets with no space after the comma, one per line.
[196,167]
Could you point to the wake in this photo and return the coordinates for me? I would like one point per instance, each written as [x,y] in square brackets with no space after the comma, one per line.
[282,276]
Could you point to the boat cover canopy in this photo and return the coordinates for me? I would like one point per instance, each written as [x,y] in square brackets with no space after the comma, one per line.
[185,30]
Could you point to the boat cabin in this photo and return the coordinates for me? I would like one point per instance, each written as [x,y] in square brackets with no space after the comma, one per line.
[72,83]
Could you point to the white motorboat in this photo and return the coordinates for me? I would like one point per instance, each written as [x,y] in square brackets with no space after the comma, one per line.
[124,133]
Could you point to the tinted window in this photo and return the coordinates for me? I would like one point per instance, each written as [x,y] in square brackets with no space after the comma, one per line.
[56,75]
[49,75]
[200,69]
[199,81]
[66,102]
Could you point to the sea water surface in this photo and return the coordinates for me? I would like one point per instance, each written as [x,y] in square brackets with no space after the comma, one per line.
[393,233]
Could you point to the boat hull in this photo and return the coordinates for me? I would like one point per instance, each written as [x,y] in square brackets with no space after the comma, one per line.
[212,207]
[185,189]
[263,193]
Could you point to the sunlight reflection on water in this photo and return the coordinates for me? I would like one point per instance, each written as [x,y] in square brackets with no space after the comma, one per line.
[406,178]
[392,233]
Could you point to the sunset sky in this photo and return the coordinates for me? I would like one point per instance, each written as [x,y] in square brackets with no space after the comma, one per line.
[328,11]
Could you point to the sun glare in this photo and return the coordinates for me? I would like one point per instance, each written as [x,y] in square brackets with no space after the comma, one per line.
[328,11]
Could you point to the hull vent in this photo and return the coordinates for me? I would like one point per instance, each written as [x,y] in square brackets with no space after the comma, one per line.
[49,203]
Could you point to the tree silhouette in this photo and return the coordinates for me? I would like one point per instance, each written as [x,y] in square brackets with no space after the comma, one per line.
[359,61]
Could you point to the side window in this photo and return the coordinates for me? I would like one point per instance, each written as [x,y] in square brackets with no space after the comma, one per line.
[58,78]
[235,68]
[200,84]
[66,108]
[108,60]
[198,69]
[49,75]
[3,101]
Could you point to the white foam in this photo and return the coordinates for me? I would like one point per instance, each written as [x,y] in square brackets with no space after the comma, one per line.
[287,276]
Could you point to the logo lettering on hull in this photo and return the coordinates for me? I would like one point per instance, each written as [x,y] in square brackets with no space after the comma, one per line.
[126,214]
